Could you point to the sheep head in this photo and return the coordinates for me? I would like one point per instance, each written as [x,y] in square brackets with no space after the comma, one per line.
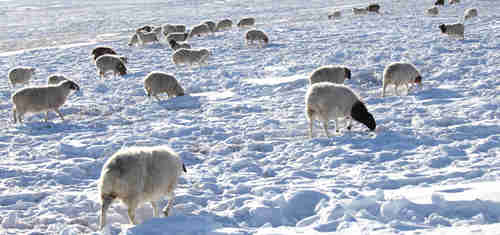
[361,114]
[443,28]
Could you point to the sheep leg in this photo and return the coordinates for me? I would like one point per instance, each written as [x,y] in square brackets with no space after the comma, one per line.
[310,128]
[59,113]
[14,114]
[131,215]
[156,211]
[106,202]
[396,89]
[349,124]
[383,90]
[47,116]
[325,126]
[167,209]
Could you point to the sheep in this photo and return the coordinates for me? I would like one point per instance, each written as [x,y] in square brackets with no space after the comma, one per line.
[326,100]
[112,63]
[211,25]
[145,28]
[256,35]
[159,82]
[373,8]
[454,1]
[359,11]
[20,74]
[176,46]
[469,13]
[134,40]
[136,175]
[170,28]
[41,99]
[400,73]
[334,15]
[190,56]
[199,30]
[178,37]
[147,37]
[102,50]
[439,3]
[246,22]
[333,74]
[453,30]
[56,79]
[224,24]
[433,11]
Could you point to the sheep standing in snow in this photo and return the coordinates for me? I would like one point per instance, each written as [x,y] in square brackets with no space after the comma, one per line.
[56,79]
[103,50]
[112,63]
[190,56]
[325,101]
[145,28]
[199,30]
[176,46]
[439,3]
[134,40]
[20,74]
[433,11]
[147,37]
[469,13]
[454,1]
[453,30]
[400,73]
[211,25]
[253,35]
[158,82]
[334,15]
[136,175]
[178,37]
[359,11]
[333,74]
[171,28]
[373,8]
[41,99]
[224,24]
[246,22]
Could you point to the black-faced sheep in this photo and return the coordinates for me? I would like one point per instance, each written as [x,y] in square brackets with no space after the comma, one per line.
[454,30]
[159,82]
[112,63]
[253,35]
[333,74]
[20,74]
[41,99]
[190,56]
[325,101]
[199,30]
[246,22]
[136,175]
[469,13]
[224,24]
[176,46]
[399,74]
[373,8]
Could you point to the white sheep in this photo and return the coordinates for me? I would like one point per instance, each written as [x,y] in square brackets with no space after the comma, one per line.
[253,35]
[20,74]
[359,11]
[102,50]
[334,74]
[159,82]
[454,30]
[136,175]
[134,40]
[433,11]
[326,100]
[224,24]
[147,37]
[178,37]
[334,15]
[112,63]
[399,74]
[211,25]
[41,99]
[56,79]
[190,56]
[246,22]
[170,28]
[199,30]
[176,46]
[469,13]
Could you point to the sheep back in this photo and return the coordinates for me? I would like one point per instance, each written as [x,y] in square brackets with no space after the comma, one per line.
[160,82]
[20,74]
[246,22]
[178,37]
[224,24]
[211,25]
[199,30]
[190,56]
[256,35]
[334,74]
[102,50]
[56,79]
[469,13]
[110,63]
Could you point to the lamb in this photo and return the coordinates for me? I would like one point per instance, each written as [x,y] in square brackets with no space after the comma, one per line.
[112,63]
[199,30]
[176,46]
[136,175]
[334,15]
[178,37]
[439,3]
[134,40]
[41,99]
[170,28]
[20,74]
[333,74]
[159,82]
[453,30]
[469,13]
[147,37]
[256,35]
[433,11]
[400,73]
[56,79]
[224,24]
[246,22]
[211,25]
[327,100]
[190,56]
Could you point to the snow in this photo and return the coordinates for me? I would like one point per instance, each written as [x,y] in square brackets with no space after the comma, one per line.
[431,167]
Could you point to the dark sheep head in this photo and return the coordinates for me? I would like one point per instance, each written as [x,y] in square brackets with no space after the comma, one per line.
[443,28]
[347,73]
[373,8]
[439,2]
[361,114]
[122,69]
[418,79]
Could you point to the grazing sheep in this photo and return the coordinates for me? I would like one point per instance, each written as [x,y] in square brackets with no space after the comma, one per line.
[246,22]
[134,40]
[178,37]
[454,1]
[439,3]
[145,28]
[400,73]
[56,79]
[256,35]
[103,50]
[453,30]
[170,28]
[20,74]
[373,8]
[176,46]
[41,99]
[469,13]
[359,11]
[136,175]
[159,82]
[190,56]
[433,11]
[325,101]
[333,74]
[334,15]
[225,24]
[147,37]
[199,30]
[211,25]
[158,32]
[112,63]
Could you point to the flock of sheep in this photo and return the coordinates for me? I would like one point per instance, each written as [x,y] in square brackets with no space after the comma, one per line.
[144,174]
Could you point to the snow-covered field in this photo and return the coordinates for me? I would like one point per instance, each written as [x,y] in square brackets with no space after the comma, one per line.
[431,168]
